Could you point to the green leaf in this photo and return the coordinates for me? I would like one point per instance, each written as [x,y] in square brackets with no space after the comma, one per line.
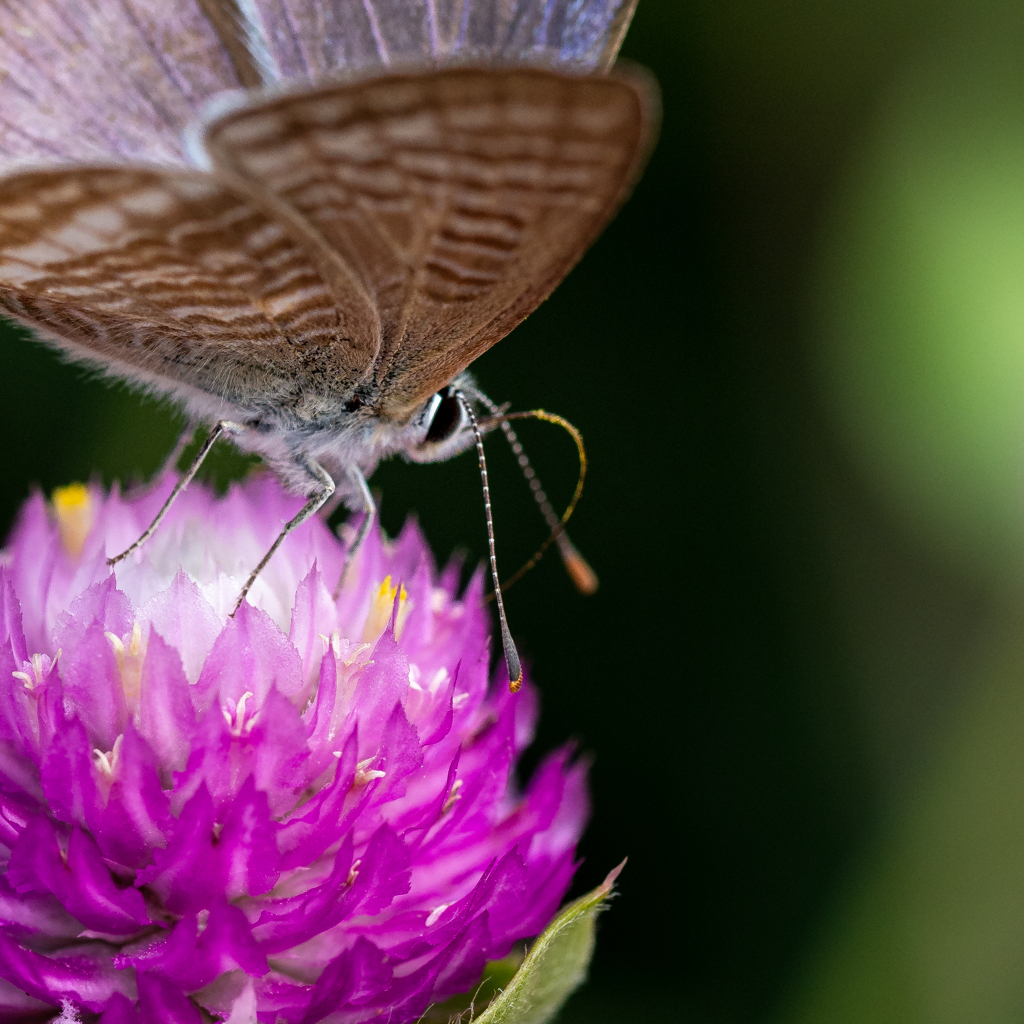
[497,975]
[555,966]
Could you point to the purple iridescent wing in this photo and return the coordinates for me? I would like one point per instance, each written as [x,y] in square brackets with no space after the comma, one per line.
[315,38]
[101,80]
[568,34]
[95,80]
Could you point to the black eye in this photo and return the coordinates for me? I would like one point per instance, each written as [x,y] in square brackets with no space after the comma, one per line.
[447,417]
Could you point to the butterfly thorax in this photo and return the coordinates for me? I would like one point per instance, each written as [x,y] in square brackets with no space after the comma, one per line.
[356,431]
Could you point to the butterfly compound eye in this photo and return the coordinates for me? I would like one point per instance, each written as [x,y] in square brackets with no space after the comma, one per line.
[446,420]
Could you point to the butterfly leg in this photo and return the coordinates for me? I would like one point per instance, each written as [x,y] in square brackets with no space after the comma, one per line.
[355,474]
[223,427]
[330,507]
[322,492]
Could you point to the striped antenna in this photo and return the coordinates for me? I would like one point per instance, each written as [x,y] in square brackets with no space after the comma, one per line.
[578,568]
[515,669]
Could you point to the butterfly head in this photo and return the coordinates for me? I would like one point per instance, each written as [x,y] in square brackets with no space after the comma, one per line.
[441,429]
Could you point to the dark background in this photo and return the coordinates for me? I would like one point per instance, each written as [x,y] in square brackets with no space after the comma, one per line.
[793,358]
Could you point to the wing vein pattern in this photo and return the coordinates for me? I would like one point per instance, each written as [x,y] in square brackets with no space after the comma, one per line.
[458,200]
[182,279]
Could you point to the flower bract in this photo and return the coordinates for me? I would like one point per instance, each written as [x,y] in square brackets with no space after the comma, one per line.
[305,812]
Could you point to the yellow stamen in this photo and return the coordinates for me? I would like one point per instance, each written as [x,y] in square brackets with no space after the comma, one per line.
[365,774]
[129,664]
[404,608]
[349,661]
[453,797]
[116,643]
[235,717]
[73,508]
[379,615]
[353,873]
[39,667]
[108,762]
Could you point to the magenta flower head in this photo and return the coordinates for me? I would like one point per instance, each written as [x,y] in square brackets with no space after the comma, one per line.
[306,812]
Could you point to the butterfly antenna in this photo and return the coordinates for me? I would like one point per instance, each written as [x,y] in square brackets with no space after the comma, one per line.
[515,669]
[578,568]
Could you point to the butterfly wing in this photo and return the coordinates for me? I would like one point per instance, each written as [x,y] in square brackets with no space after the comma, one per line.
[459,198]
[568,34]
[105,79]
[123,79]
[317,38]
[176,278]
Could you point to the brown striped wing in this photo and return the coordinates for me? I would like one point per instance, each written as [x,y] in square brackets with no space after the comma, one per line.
[174,277]
[458,198]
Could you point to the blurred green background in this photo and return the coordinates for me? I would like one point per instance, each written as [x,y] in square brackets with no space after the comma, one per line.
[797,358]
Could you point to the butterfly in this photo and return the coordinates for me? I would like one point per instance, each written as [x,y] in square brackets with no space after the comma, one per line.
[304,219]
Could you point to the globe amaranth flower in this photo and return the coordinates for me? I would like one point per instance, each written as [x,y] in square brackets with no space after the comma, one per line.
[306,812]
